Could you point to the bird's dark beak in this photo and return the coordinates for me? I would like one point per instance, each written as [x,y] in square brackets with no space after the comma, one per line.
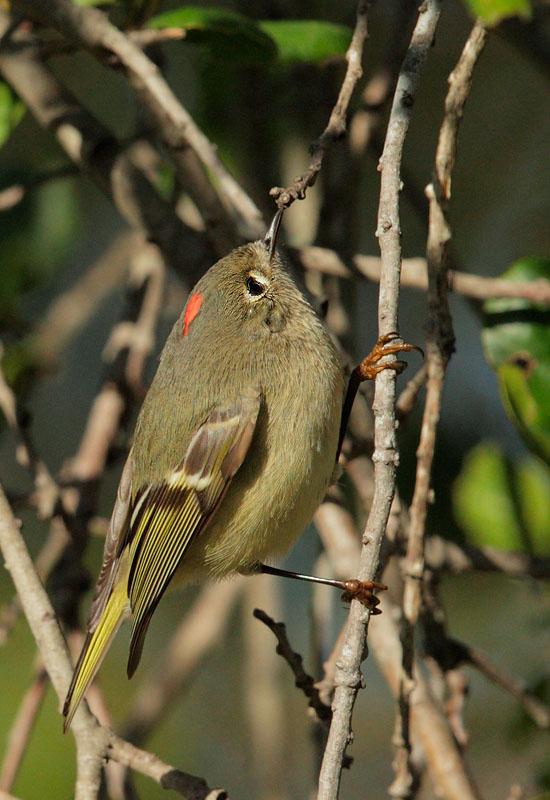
[270,239]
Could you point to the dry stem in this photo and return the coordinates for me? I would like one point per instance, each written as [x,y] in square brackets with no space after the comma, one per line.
[336,127]
[439,347]
[348,677]
[93,741]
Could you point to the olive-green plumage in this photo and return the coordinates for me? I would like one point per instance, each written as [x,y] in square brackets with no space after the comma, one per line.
[233,450]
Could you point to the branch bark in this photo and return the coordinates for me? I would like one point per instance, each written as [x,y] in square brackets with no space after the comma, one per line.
[439,348]
[93,741]
[91,29]
[336,127]
[96,151]
[348,677]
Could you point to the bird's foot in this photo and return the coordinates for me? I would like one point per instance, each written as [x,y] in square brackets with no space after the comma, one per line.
[387,345]
[364,592]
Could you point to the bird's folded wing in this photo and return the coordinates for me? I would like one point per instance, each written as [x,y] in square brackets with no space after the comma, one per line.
[168,516]
[116,535]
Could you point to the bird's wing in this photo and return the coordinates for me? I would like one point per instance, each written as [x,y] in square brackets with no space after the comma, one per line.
[166,517]
[116,534]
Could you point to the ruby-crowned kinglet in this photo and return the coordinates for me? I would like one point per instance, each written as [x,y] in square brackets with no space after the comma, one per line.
[233,450]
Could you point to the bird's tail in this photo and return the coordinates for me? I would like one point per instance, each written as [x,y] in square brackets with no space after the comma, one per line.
[95,647]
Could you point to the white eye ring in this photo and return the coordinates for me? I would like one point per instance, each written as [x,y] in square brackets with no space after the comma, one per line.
[254,287]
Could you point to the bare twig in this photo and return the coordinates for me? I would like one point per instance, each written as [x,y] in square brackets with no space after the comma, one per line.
[414,274]
[190,786]
[304,681]
[428,722]
[93,741]
[348,678]
[439,347]
[443,555]
[143,38]
[284,197]
[409,395]
[91,29]
[93,148]
[49,554]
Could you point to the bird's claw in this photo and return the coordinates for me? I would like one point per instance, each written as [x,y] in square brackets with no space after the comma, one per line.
[364,592]
[386,345]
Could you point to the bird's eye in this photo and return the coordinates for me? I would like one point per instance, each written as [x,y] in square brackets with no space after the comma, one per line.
[254,287]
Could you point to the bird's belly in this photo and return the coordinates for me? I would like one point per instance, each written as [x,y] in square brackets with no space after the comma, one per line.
[249,526]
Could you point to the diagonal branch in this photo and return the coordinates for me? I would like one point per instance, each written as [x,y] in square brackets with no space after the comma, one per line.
[348,678]
[96,151]
[93,741]
[336,126]
[91,29]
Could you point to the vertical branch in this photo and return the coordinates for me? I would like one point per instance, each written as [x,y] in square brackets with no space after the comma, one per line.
[439,347]
[348,677]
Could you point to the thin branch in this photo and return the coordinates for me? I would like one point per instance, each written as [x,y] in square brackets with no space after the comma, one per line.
[336,127]
[445,556]
[304,681]
[190,786]
[49,554]
[93,741]
[439,347]
[348,677]
[91,29]
[428,722]
[409,395]
[414,274]
[142,38]
[96,151]
[430,726]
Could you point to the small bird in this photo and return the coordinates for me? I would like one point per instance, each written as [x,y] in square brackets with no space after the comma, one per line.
[234,447]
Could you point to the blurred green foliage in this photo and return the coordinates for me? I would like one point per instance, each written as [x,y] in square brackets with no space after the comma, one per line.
[238,39]
[493,11]
[11,111]
[228,35]
[503,503]
[516,339]
[35,236]
[307,40]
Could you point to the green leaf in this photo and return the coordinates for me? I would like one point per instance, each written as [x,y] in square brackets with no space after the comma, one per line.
[503,505]
[11,111]
[228,35]
[493,11]
[308,40]
[516,341]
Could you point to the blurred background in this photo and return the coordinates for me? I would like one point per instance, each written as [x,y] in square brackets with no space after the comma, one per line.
[262,116]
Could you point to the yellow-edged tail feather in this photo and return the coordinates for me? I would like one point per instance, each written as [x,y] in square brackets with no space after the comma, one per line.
[96,645]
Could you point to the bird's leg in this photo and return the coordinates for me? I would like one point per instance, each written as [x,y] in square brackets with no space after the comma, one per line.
[353,589]
[368,369]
